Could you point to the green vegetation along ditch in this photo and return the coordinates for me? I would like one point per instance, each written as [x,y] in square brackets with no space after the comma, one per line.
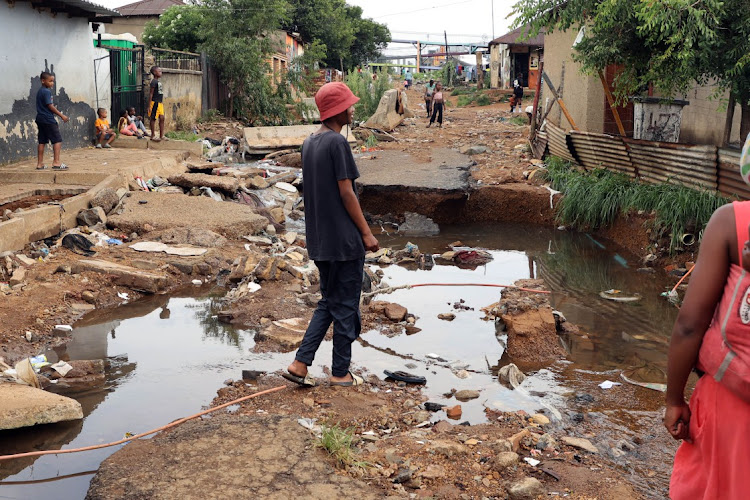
[594,199]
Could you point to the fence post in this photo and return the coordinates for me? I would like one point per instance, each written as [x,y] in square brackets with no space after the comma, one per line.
[204,84]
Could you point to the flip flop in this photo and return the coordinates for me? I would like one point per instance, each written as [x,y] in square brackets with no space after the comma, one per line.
[405,377]
[43,167]
[62,166]
[356,380]
[306,381]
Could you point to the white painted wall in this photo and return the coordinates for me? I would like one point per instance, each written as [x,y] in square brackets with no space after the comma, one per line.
[33,41]
[28,38]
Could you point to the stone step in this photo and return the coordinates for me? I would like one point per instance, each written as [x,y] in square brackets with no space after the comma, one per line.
[24,406]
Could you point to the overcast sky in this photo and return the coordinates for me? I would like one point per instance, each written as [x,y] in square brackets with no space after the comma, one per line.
[464,20]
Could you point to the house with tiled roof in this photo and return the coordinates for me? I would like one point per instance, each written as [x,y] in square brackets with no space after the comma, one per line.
[134,16]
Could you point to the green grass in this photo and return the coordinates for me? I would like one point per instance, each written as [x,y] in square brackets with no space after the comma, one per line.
[483,100]
[519,120]
[464,100]
[210,116]
[182,135]
[338,443]
[594,199]
[463,91]
[371,142]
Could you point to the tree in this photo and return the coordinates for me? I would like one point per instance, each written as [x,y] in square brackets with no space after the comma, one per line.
[349,40]
[238,43]
[179,28]
[670,44]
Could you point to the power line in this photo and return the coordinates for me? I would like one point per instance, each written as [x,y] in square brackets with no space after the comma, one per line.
[422,9]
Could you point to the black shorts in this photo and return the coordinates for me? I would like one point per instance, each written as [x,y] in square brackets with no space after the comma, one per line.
[49,132]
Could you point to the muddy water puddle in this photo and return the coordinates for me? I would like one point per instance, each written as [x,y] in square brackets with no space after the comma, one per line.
[168,356]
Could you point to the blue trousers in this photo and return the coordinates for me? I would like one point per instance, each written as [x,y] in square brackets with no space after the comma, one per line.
[340,287]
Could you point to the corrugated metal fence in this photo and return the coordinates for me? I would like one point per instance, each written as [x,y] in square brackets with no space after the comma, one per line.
[702,167]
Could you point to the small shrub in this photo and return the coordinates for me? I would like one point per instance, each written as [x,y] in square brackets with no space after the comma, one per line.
[210,116]
[464,100]
[371,142]
[181,135]
[519,120]
[183,122]
[462,91]
[338,443]
[483,100]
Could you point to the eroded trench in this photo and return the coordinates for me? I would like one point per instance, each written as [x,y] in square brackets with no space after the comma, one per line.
[167,355]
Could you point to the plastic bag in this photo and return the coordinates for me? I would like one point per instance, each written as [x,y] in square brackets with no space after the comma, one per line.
[745,161]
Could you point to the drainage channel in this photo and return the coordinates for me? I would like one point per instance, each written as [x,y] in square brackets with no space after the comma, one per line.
[169,355]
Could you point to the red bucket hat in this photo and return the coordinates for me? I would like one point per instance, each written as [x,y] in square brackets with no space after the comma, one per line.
[333,98]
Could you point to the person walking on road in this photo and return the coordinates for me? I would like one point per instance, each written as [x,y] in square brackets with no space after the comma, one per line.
[429,89]
[337,237]
[438,101]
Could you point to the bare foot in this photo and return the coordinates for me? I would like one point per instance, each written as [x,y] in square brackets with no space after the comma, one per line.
[297,368]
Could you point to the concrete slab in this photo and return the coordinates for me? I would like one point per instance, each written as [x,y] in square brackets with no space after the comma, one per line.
[130,277]
[24,406]
[15,192]
[194,148]
[268,139]
[123,141]
[448,170]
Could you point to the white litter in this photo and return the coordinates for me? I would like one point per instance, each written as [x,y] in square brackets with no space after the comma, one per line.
[123,295]
[432,355]
[608,384]
[532,461]
[154,246]
[64,328]
[197,282]
[61,367]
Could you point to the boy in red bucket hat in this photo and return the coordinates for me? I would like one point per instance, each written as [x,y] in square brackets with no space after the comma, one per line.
[337,237]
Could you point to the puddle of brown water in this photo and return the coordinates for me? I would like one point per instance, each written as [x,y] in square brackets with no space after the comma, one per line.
[172,355]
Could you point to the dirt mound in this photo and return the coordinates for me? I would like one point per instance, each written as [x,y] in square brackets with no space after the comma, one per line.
[242,456]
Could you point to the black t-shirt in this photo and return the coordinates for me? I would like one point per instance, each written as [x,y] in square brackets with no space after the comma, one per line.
[158,90]
[43,100]
[518,91]
[331,232]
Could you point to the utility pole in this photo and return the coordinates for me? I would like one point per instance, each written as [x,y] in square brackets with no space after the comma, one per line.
[492,2]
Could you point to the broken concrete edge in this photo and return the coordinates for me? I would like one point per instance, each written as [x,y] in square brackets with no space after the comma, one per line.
[26,406]
[47,221]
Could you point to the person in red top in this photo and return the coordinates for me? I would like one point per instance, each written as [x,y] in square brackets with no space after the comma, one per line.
[712,336]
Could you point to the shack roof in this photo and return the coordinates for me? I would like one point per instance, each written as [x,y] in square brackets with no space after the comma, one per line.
[76,8]
[148,7]
[519,37]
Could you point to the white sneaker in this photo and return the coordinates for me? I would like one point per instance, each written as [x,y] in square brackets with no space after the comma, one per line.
[98,146]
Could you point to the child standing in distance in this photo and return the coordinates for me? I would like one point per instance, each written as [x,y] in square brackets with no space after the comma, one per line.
[429,89]
[49,131]
[517,98]
[337,237]
[438,101]
[103,132]
[156,108]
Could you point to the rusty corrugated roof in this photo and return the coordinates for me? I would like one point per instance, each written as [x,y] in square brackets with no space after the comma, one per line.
[519,37]
[148,7]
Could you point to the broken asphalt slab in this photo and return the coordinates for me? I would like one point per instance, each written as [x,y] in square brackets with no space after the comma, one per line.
[239,455]
[447,170]
[24,406]
[124,275]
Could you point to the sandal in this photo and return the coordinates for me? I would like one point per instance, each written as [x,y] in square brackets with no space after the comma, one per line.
[356,380]
[306,381]
[61,166]
[405,377]
[43,167]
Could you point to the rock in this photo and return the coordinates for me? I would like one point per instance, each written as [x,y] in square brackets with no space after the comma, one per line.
[395,312]
[271,230]
[268,269]
[433,406]
[193,236]
[447,316]
[288,333]
[26,261]
[386,117]
[515,439]
[473,150]
[448,448]
[510,374]
[501,446]
[454,412]
[504,460]
[402,475]
[18,277]
[433,472]
[91,217]
[528,488]
[62,268]
[580,443]
[442,426]
[411,330]
[471,442]
[106,199]
[88,296]
[466,395]
[421,416]
[546,441]
[290,237]
[221,182]
[462,374]
[257,182]
[24,406]
[540,419]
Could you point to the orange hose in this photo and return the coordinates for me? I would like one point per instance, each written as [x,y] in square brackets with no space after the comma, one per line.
[683,278]
[164,427]
[481,284]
